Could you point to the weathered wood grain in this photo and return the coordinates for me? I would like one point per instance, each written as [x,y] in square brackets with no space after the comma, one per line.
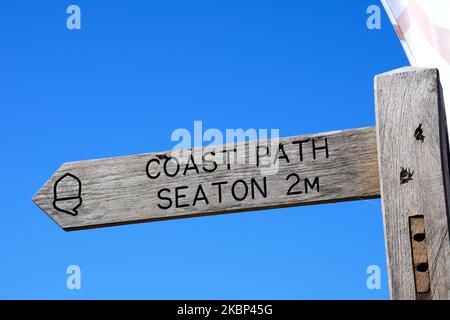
[413,161]
[119,191]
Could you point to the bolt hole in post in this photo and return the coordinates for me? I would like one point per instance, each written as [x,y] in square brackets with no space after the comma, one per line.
[422,267]
[419,237]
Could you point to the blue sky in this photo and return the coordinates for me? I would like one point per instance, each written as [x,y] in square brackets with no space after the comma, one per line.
[136,71]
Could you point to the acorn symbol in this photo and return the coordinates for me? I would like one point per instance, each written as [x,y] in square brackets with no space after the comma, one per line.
[67,194]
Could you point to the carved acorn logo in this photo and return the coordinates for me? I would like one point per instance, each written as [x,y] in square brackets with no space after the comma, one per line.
[67,194]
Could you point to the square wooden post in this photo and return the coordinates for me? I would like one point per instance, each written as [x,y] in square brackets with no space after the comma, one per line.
[413,164]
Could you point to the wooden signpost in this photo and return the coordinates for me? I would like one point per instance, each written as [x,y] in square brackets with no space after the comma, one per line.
[404,159]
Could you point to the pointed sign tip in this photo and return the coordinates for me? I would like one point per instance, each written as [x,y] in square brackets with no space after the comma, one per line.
[37,200]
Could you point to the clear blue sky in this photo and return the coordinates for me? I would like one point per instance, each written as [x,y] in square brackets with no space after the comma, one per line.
[136,71]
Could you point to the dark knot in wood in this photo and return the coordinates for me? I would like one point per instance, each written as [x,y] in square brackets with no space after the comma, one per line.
[405,175]
[418,134]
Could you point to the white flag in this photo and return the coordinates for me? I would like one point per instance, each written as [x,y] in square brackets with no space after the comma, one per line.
[423,27]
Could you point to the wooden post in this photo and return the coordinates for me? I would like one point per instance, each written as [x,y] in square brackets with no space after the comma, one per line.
[413,162]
